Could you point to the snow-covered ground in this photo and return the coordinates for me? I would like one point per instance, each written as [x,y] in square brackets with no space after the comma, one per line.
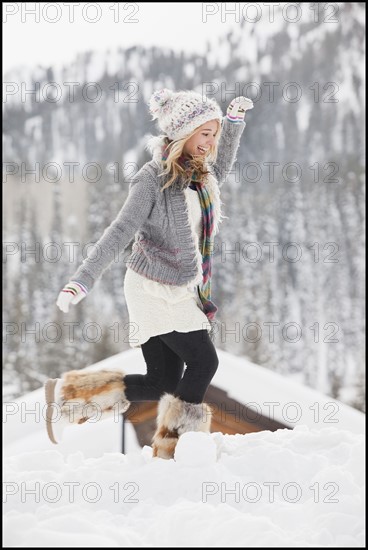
[264,392]
[300,487]
[289,488]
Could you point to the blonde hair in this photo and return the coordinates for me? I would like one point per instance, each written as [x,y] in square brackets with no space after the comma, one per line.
[197,164]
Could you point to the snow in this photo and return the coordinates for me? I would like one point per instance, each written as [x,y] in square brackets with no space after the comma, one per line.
[189,70]
[204,448]
[301,487]
[99,129]
[97,66]
[130,156]
[264,393]
[265,64]
[303,116]
[280,135]
[33,127]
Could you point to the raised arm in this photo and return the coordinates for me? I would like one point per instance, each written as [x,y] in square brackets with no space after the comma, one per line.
[120,232]
[232,128]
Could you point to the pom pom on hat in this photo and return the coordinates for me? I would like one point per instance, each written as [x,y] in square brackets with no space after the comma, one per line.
[158,100]
[179,113]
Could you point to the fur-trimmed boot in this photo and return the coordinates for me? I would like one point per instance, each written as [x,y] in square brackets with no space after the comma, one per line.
[80,395]
[174,418]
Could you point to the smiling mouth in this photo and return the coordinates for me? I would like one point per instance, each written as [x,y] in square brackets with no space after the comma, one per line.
[202,149]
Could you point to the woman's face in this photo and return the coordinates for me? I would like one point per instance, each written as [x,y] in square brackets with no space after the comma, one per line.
[199,144]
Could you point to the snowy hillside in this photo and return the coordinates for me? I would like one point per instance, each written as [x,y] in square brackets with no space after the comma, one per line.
[300,487]
[290,488]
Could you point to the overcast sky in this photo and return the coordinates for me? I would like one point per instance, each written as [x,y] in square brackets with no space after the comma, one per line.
[173,25]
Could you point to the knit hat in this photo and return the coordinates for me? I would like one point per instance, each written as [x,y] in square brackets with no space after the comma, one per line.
[179,113]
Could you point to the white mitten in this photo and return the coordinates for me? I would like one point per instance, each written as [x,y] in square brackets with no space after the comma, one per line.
[72,293]
[237,108]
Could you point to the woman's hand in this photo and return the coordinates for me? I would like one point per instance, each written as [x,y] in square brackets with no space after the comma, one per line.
[72,293]
[237,108]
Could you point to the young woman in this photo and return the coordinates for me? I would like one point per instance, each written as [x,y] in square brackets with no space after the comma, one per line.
[173,210]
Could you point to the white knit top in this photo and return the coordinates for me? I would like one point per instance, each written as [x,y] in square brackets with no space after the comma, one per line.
[156,308]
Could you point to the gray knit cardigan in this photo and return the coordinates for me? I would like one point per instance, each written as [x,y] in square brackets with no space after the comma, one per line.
[164,249]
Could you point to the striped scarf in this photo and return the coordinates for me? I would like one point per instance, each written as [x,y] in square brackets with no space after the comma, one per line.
[207,247]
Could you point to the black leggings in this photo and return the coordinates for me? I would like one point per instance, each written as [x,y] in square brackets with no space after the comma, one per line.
[165,356]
